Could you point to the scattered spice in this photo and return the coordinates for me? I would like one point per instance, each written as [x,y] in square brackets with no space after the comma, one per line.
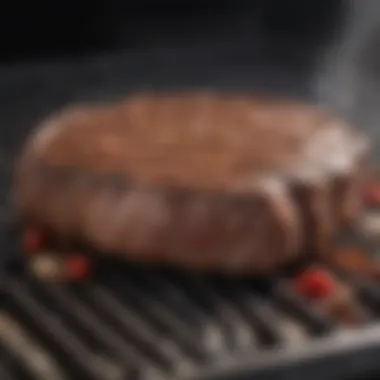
[77,267]
[353,260]
[372,194]
[33,240]
[46,266]
[50,266]
[315,283]
[330,294]
[356,261]
[370,224]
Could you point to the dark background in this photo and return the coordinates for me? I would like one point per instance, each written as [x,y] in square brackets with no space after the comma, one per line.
[43,28]
[54,53]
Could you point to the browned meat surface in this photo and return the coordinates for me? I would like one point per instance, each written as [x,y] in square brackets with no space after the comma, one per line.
[207,181]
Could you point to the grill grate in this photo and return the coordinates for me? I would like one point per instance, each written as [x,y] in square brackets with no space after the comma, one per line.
[131,322]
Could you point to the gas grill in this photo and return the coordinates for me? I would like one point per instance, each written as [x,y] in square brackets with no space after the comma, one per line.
[131,322]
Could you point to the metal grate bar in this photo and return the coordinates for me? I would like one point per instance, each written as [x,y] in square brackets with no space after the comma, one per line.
[314,319]
[51,327]
[162,317]
[156,347]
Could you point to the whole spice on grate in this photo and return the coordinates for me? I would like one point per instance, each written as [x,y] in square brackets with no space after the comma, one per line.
[352,259]
[324,289]
[315,283]
[371,193]
[77,267]
[50,266]
[33,240]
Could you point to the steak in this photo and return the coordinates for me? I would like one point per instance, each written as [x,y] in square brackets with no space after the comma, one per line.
[206,181]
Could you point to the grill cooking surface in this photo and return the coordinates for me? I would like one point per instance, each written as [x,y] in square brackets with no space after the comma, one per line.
[145,323]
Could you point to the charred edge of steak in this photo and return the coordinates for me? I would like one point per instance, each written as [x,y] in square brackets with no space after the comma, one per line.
[314,205]
[220,208]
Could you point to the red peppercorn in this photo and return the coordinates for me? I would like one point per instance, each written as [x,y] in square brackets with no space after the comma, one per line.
[315,283]
[77,267]
[33,240]
[372,194]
